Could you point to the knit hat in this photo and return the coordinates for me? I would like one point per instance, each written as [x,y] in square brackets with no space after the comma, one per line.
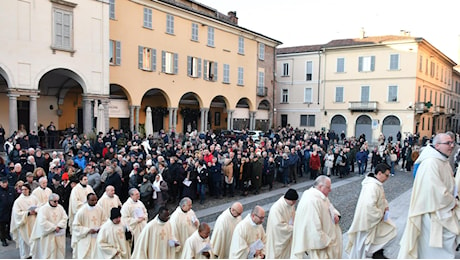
[65,176]
[115,213]
[291,194]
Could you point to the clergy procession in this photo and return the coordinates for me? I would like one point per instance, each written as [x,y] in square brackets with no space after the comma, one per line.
[146,211]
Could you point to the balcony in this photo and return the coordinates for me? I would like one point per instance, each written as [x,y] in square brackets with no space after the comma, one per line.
[439,110]
[262,91]
[450,111]
[420,108]
[358,106]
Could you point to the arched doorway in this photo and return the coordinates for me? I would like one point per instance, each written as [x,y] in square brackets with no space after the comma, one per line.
[241,115]
[391,126]
[364,126]
[156,99]
[263,116]
[339,125]
[119,108]
[189,109]
[217,118]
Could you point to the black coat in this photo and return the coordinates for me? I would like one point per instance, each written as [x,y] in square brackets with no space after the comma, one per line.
[7,197]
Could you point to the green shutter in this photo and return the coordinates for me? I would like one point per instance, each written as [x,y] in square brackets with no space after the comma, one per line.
[205,70]
[163,61]
[372,63]
[176,63]
[141,57]
[199,68]
[189,66]
[117,53]
[153,52]
[215,72]
[360,65]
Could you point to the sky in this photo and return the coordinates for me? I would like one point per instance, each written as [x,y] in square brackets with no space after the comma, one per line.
[308,22]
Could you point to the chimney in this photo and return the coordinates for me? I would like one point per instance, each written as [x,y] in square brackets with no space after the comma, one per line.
[362,33]
[233,18]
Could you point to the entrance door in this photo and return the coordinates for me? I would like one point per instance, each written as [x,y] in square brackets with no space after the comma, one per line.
[284,120]
[23,114]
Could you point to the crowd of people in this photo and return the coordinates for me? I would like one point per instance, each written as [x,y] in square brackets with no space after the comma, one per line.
[121,185]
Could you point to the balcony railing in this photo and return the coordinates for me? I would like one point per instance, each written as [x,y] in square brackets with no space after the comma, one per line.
[420,108]
[262,91]
[362,106]
[439,110]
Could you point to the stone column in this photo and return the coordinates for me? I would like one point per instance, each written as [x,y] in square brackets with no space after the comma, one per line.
[131,118]
[204,119]
[230,119]
[270,119]
[252,120]
[174,120]
[33,117]
[170,118]
[105,103]
[13,112]
[137,118]
[87,115]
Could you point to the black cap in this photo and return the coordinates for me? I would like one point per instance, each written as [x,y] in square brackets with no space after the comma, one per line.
[291,194]
[4,179]
[115,213]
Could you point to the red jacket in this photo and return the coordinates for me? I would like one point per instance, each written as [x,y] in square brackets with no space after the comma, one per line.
[315,162]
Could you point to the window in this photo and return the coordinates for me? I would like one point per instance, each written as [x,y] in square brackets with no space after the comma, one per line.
[308,96]
[307,120]
[432,69]
[211,36]
[392,93]
[394,62]
[169,24]
[115,52]
[112,9]
[420,64]
[261,79]
[366,64]
[240,76]
[194,32]
[261,51]
[169,62]
[193,67]
[365,94]
[226,73]
[210,70]
[339,94]
[147,59]
[63,29]
[284,96]
[147,18]
[285,69]
[309,68]
[240,45]
[340,64]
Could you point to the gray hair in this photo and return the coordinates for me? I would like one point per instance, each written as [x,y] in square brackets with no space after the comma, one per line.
[320,181]
[131,191]
[53,196]
[184,201]
[438,137]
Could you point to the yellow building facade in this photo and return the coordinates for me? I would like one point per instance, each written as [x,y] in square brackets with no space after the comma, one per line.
[192,66]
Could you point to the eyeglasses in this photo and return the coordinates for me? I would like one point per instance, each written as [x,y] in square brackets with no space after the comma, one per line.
[259,216]
[55,201]
[448,143]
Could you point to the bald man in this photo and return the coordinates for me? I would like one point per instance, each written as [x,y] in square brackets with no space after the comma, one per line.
[248,240]
[197,246]
[223,230]
[109,200]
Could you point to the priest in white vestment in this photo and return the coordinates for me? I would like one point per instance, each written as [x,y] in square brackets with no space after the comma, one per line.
[109,200]
[279,226]
[156,240]
[111,238]
[432,225]
[371,228]
[317,232]
[183,223]
[198,246]
[86,225]
[223,230]
[78,197]
[42,192]
[248,240]
[48,235]
[23,217]
[134,213]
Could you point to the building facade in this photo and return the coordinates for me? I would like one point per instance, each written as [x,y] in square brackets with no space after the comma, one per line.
[194,67]
[51,65]
[381,85]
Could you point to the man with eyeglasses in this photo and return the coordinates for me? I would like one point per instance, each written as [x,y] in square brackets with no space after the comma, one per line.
[371,228]
[223,230]
[317,233]
[432,224]
[48,235]
[280,226]
[248,240]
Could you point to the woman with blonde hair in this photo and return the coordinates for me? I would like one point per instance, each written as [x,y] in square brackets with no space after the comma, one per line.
[38,173]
